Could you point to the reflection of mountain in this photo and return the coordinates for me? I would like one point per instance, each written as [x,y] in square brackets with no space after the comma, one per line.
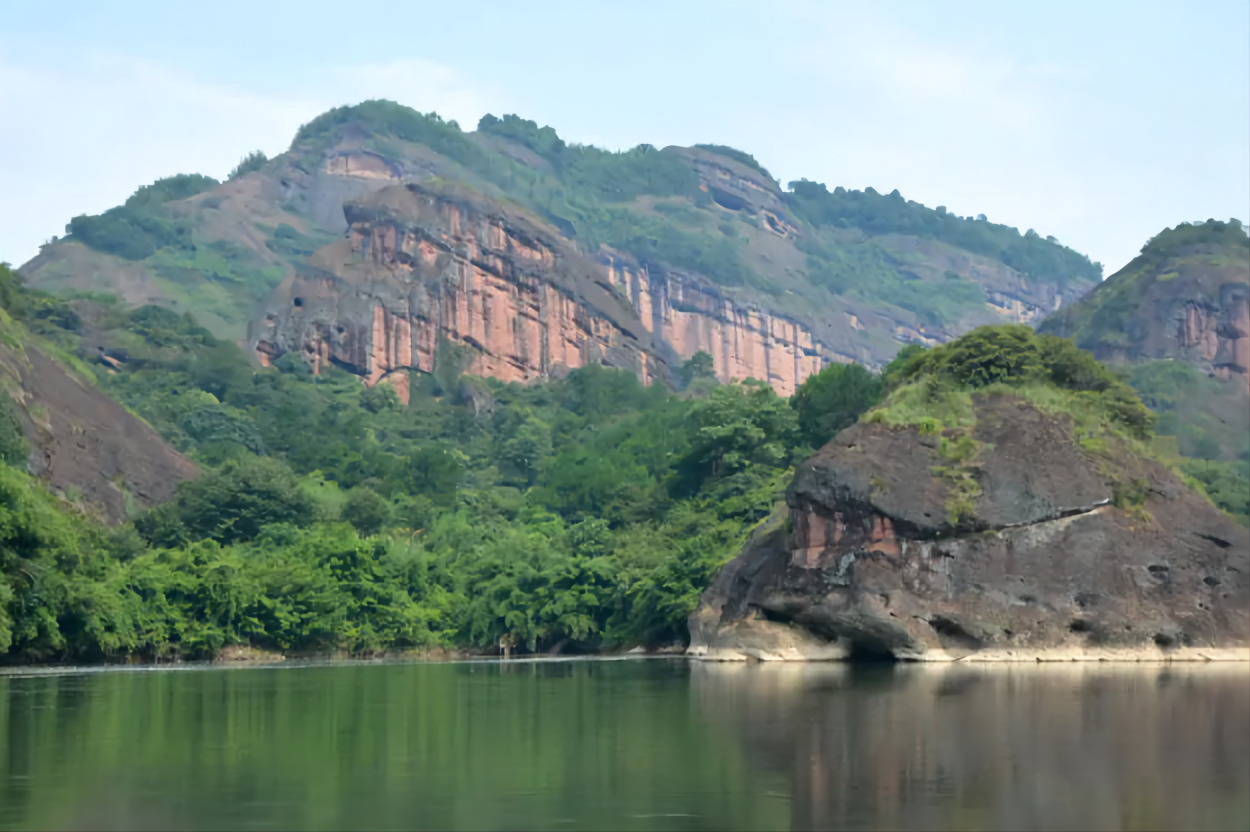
[1029,747]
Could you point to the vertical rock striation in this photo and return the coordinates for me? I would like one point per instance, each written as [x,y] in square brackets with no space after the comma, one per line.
[427,276]
[507,297]
[691,315]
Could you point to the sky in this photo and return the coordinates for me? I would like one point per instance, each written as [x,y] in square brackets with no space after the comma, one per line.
[1097,123]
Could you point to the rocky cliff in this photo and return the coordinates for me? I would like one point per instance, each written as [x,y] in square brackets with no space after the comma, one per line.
[85,446]
[423,267]
[1186,297]
[690,315]
[1066,554]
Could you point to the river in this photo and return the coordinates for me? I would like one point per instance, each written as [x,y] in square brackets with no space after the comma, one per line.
[644,744]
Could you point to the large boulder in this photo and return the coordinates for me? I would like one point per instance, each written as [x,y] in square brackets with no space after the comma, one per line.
[1038,548]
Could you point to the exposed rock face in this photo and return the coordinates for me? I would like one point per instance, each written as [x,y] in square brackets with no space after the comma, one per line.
[690,315]
[739,187]
[1220,336]
[81,439]
[420,268]
[1193,305]
[1045,567]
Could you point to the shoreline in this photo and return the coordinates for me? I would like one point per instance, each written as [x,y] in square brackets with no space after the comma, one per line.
[254,658]
[1050,655]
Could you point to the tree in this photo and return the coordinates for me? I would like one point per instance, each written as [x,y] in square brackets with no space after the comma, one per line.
[13,444]
[834,399]
[231,504]
[1207,448]
[379,397]
[737,426]
[367,511]
[11,294]
[252,161]
[698,366]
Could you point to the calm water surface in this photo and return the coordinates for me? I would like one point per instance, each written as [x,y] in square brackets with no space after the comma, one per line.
[646,744]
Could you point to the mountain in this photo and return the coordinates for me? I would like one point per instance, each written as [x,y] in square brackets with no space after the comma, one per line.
[392,220]
[1185,297]
[1177,319]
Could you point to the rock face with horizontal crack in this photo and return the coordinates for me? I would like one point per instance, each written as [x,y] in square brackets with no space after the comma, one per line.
[1044,565]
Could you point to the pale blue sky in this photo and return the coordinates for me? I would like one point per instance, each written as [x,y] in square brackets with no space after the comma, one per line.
[1099,123]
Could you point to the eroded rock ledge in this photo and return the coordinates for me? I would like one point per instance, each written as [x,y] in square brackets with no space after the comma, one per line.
[1044,567]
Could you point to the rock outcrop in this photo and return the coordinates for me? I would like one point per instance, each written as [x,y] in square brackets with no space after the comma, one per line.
[429,275]
[1045,566]
[81,440]
[739,187]
[691,315]
[1190,304]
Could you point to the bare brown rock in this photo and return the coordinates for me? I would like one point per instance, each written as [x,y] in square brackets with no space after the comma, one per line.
[422,267]
[1044,567]
[692,315]
[81,439]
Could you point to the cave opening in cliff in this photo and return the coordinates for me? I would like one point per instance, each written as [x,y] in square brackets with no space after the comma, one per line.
[869,651]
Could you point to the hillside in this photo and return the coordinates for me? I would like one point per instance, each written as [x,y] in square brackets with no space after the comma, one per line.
[57,424]
[1176,321]
[1185,297]
[709,251]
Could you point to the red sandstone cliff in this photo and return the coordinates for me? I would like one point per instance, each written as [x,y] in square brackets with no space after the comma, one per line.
[691,315]
[421,265]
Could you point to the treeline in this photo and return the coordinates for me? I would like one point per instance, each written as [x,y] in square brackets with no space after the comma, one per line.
[874,213]
[1212,232]
[137,228]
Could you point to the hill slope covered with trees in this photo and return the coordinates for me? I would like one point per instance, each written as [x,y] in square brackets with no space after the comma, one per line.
[586,513]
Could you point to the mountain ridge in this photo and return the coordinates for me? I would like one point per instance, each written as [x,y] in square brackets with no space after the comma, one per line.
[705,214]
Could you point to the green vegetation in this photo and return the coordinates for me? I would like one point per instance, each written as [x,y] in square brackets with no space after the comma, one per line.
[581,514]
[738,156]
[1211,232]
[1206,420]
[868,271]
[833,399]
[932,389]
[1181,264]
[1012,357]
[137,228]
[584,513]
[252,161]
[1040,258]
[220,280]
[13,444]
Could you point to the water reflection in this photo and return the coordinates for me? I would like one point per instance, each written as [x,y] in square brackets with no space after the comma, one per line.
[1080,747]
[645,745]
